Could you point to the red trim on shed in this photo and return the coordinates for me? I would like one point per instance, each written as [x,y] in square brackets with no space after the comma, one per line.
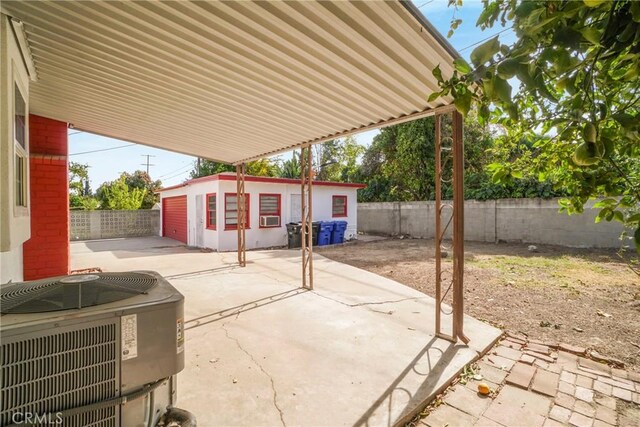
[208,225]
[333,206]
[266,179]
[247,198]
[277,213]
[174,218]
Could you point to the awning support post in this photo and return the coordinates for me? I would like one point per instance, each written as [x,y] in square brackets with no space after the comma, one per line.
[242,213]
[306,199]
[457,218]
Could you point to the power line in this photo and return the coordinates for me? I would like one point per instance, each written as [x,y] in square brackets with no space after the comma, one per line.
[176,175]
[485,39]
[426,3]
[187,165]
[104,149]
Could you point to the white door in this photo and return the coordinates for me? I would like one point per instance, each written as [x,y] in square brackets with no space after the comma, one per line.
[199,221]
[296,208]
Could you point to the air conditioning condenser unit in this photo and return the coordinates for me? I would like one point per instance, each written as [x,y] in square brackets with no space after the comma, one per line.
[92,350]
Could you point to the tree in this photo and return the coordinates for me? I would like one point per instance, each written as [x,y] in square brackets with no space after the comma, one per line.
[290,168]
[400,164]
[261,167]
[576,65]
[80,196]
[79,179]
[117,195]
[204,167]
[142,181]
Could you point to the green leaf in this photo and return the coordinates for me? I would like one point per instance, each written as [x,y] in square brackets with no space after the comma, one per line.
[605,203]
[618,216]
[591,34]
[517,174]
[625,119]
[508,68]
[635,11]
[462,65]
[433,96]
[485,51]
[636,238]
[463,103]
[489,90]
[502,89]
[594,3]
[586,154]
[437,73]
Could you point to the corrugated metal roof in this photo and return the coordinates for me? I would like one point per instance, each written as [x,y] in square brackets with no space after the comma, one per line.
[230,81]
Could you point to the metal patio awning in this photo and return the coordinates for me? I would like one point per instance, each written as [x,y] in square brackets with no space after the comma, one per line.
[230,81]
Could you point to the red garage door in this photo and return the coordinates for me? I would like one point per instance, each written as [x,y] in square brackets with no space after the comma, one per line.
[174,218]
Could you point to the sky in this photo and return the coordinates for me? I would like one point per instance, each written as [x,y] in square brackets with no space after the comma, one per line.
[108,157]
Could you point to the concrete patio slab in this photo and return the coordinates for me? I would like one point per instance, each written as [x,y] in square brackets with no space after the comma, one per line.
[358,350]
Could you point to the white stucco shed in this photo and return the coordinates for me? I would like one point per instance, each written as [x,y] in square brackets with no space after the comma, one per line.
[202,212]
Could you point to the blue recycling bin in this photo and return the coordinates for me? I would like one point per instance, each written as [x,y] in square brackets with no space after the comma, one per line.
[337,235]
[324,233]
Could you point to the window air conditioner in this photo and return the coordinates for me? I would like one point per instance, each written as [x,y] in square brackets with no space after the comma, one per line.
[92,350]
[269,221]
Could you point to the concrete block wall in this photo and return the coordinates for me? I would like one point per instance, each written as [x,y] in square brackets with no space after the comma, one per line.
[46,253]
[107,224]
[510,220]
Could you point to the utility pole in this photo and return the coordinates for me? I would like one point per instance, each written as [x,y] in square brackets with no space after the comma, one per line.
[147,164]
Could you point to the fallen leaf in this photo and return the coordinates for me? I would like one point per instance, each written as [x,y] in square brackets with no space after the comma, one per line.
[603,314]
[575,328]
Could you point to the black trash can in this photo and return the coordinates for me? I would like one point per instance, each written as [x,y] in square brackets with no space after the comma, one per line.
[294,236]
[315,229]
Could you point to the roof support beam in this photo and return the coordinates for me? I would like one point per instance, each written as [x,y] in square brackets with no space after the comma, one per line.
[242,214]
[454,150]
[306,202]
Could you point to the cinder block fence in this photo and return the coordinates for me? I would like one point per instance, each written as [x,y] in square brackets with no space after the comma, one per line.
[90,225]
[509,220]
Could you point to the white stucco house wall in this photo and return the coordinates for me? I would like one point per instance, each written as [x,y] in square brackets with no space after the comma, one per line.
[202,212]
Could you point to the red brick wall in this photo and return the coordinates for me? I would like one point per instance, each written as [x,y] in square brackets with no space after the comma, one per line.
[46,254]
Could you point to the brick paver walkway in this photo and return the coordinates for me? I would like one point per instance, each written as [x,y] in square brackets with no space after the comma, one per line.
[539,384]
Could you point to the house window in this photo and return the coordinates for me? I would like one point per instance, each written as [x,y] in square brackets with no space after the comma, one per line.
[20,120]
[211,211]
[21,180]
[20,145]
[339,206]
[270,206]
[231,211]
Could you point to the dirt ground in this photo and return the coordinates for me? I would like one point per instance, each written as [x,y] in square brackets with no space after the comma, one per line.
[583,297]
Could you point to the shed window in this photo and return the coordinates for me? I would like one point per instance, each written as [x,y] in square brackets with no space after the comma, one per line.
[231,211]
[211,211]
[270,206]
[339,206]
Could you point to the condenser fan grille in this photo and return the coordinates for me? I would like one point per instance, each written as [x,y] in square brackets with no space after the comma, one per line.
[73,292]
